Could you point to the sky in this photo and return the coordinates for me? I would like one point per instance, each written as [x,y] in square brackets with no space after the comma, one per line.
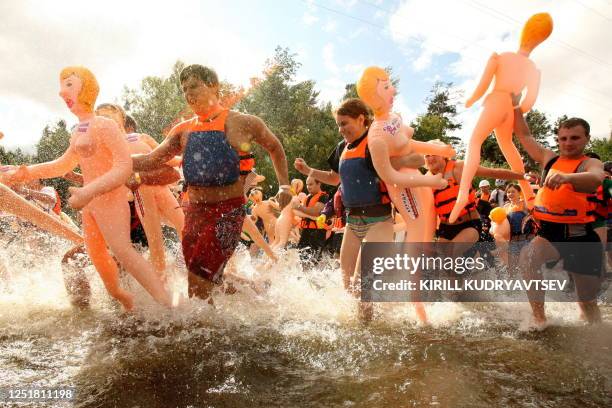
[422,40]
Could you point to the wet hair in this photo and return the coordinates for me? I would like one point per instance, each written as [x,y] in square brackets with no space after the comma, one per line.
[573,122]
[115,108]
[354,107]
[205,74]
[89,89]
[130,123]
[514,186]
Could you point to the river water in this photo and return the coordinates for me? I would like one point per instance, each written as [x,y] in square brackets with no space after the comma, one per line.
[296,344]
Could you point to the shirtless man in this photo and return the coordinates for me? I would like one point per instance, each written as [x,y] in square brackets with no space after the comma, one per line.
[211,144]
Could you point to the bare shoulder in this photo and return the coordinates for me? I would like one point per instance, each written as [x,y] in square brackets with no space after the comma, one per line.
[244,120]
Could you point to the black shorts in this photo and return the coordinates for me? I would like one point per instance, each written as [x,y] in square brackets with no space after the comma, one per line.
[450,231]
[569,240]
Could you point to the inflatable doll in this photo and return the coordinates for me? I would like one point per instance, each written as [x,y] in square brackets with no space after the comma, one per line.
[98,146]
[513,72]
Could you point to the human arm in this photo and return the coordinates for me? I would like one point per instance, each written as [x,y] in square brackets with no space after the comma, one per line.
[45,199]
[152,143]
[160,176]
[586,181]
[266,139]
[309,212]
[328,177]
[535,150]
[485,80]
[166,151]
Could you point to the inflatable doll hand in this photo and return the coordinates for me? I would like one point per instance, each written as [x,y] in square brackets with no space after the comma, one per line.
[17,174]
[469,102]
[78,198]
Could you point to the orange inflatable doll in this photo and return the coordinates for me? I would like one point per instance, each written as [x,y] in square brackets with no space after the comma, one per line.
[98,146]
[409,190]
[13,203]
[153,202]
[513,71]
[287,220]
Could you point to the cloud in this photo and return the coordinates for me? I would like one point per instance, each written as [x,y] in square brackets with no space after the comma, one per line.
[328,58]
[121,42]
[309,19]
[576,62]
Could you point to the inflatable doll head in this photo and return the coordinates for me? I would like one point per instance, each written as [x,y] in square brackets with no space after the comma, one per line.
[86,83]
[375,88]
[497,215]
[297,185]
[537,29]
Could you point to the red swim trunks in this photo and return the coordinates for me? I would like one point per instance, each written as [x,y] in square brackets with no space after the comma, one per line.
[210,236]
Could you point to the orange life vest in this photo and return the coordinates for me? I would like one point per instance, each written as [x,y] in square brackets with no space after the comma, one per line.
[311,200]
[444,199]
[57,208]
[564,205]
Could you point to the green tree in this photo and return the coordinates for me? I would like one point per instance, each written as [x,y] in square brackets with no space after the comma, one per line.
[290,109]
[439,121]
[541,130]
[158,104]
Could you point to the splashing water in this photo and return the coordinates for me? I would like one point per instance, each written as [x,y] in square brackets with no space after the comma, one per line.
[295,343]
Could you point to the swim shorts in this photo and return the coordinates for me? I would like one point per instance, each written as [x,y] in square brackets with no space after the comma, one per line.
[210,236]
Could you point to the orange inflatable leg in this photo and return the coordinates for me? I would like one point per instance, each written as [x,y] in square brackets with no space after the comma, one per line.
[112,217]
[147,210]
[103,261]
[513,157]
[493,114]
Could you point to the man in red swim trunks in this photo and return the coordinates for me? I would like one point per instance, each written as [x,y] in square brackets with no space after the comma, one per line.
[213,144]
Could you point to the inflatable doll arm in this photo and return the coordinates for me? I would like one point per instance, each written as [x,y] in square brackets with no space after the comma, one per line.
[109,135]
[432,149]
[503,174]
[380,158]
[166,151]
[56,168]
[533,88]
[485,80]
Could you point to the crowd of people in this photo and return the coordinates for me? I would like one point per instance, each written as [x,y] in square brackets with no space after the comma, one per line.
[201,181]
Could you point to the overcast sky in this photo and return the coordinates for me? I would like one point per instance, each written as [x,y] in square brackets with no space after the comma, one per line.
[424,41]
